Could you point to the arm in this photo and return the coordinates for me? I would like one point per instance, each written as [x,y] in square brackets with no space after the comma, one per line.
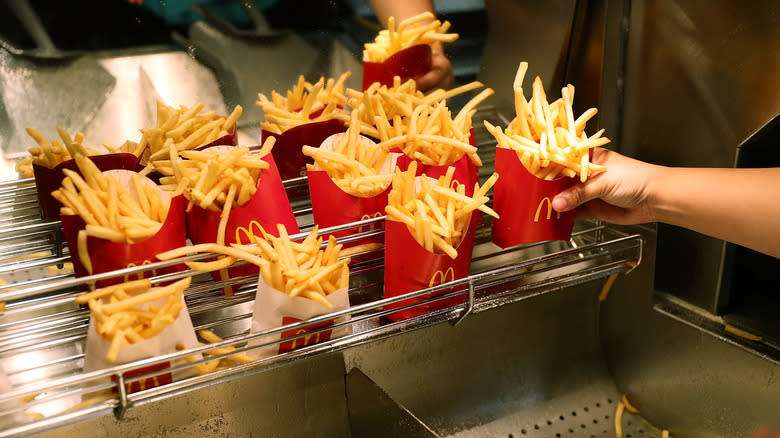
[440,75]
[738,205]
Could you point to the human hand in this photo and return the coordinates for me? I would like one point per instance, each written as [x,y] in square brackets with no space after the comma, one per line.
[619,195]
[440,74]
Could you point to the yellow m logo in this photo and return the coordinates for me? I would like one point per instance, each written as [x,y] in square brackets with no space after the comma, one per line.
[440,277]
[249,233]
[368,216]
[139,275]
[454,184]
[547,201]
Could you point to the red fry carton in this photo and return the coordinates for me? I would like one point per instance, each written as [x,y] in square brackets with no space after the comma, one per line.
[524,204]
[466,172]
[333,206]
[48,180]
[268,207]
[410,267]
[287,150]
[274,308]
[107,256]
[408,63]
[180,331]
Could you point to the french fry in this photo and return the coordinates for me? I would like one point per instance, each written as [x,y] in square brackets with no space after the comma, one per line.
[549,141]
[122,319]
[49,154]
[421,126]
[356,164]
[304,103]
[186,127]
[422,28]
[437,216]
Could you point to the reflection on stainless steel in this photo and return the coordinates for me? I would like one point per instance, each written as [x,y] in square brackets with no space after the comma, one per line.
[700,79]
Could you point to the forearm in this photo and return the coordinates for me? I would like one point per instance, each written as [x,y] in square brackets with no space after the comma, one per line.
[738,205]
[400,9]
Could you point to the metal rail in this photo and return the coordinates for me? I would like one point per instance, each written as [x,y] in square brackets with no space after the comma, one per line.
[43,331]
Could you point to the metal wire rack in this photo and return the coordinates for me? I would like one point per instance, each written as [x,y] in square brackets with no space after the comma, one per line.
[43,331]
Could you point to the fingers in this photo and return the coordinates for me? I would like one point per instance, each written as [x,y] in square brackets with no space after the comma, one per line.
[578,194]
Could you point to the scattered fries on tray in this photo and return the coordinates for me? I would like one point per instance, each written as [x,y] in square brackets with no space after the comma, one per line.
[549,141]
[123,314]
[436,214]
[357,165]
[304,103]
[422,28]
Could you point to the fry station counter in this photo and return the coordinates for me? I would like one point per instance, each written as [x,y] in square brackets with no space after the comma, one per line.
[575,336]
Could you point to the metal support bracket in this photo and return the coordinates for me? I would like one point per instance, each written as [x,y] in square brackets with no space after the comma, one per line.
[119,411]
[469,305]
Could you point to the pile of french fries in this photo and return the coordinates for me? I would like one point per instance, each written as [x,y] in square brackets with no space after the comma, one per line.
[548,139]
[214,180]
[422,28]
[421,126]
[355,164]
[109,210]
[123,314]
[51,153]
[187,128]
[436,214]
[302,102]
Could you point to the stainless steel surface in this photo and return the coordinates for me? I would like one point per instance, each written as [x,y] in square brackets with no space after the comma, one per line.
[42,332]
[682,370]
[699,81]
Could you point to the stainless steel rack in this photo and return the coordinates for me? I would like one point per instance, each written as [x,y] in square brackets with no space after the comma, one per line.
[43,331]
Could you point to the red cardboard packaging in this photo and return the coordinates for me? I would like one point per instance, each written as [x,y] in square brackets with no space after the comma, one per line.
[287,150]
[333,206]
[408,63]
[410,267]
[48,180]
[524,204]
[106,255]
[268,207]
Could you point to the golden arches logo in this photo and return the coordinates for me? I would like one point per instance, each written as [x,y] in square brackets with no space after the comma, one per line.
[139,275]
[370,226]
[454,184]
[442,277]
[549,209]
[249,232]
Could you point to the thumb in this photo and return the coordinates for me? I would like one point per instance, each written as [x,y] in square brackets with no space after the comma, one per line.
[578,194]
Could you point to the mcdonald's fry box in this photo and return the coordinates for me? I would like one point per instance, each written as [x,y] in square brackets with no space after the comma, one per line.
[410,267]
[524,204]
[408,63]
[287,150]
[268,207]
[331,205]
[466,172]
[48,179]
[106,255]
[274,308]
[179,332]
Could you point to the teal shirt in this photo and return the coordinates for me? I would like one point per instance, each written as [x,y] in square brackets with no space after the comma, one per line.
[178,13]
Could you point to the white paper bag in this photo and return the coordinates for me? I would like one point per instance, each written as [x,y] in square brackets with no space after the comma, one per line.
[180,331]
[274,308]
